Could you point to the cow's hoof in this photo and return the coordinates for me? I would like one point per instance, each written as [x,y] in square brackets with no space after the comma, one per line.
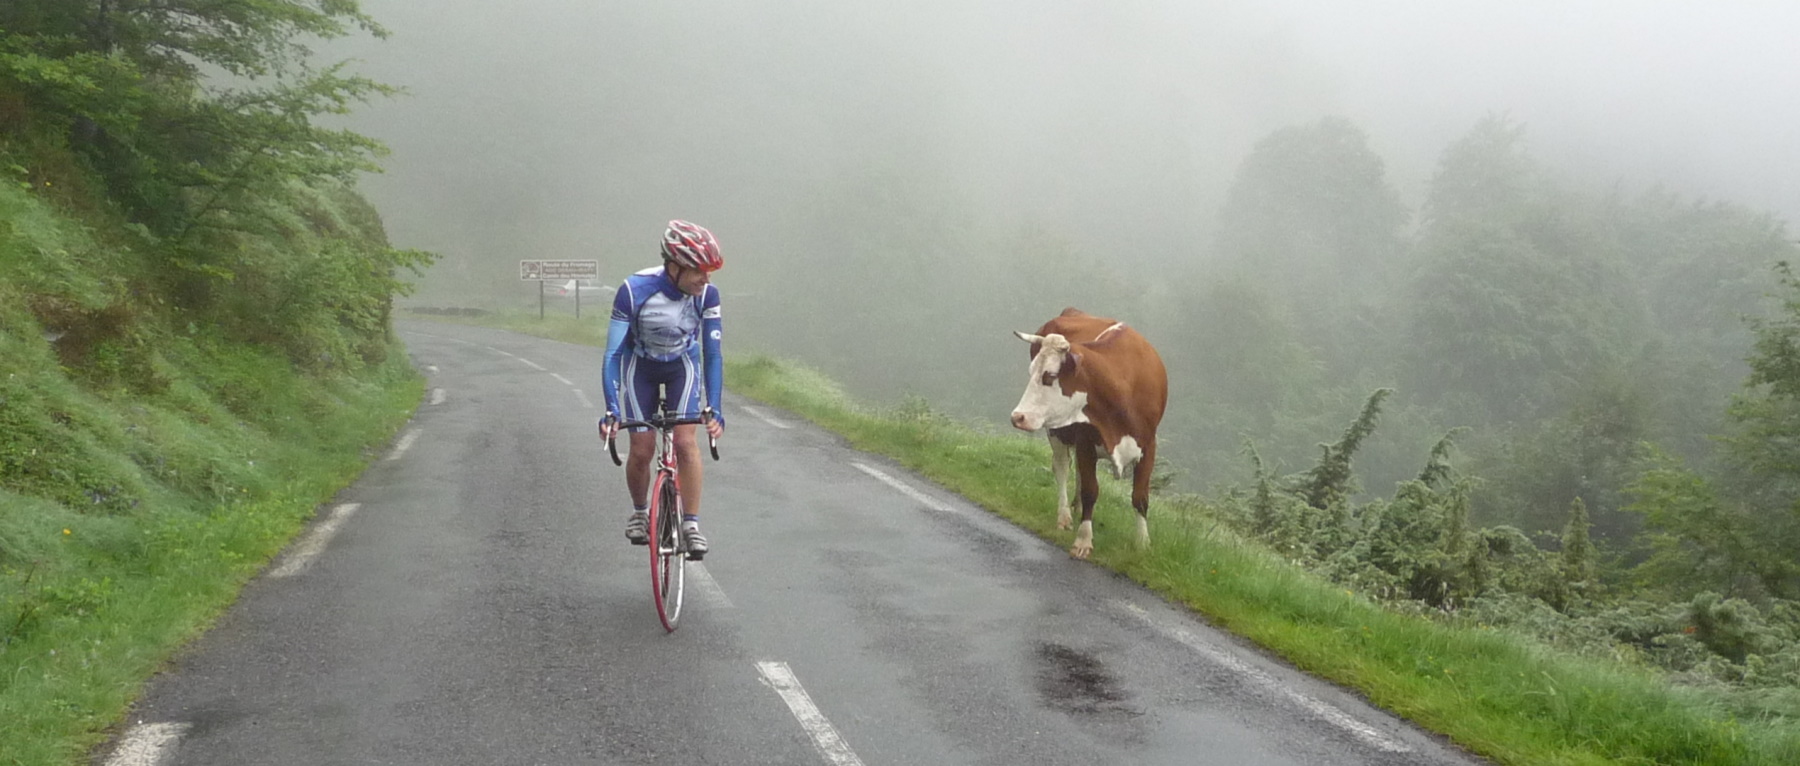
[1081,551]
[1065,523]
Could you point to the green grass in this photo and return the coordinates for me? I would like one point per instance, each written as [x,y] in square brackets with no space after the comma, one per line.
[171,414]
[1491,692]
[177,501]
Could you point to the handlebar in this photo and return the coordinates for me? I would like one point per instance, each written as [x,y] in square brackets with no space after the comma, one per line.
[662,423]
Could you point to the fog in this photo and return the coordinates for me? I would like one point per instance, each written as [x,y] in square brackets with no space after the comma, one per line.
[557,127]
[876,171]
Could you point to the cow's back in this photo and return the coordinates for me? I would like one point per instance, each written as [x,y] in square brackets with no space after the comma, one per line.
[1077,326]
[1144,380]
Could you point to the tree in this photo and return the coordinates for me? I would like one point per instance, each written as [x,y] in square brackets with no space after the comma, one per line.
[125,81]
[1589,452]
[1519,290]
[197,119]
[1768,444]
[1764,449]
[1311,213]
[1578,553]
[1702,266]
[1330,483]
[1695,541]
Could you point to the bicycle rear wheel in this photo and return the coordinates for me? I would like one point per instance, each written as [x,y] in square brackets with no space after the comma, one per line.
[668,556]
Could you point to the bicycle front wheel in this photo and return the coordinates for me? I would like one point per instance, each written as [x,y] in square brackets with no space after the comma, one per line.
[668,556]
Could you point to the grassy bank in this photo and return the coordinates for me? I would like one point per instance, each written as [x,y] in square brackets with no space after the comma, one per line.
[155,453]
[1494,693]
[151,513]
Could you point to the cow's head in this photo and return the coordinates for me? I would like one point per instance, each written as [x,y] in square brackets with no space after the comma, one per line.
[1049,402]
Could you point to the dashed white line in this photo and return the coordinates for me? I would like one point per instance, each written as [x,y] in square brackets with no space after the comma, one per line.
[529,363]
[1331,714]
[437,396]
[497,351]
[565,381]
[431,368]
[315,541]
[904,488]
[709,588]
[146,743]
[405,443]
[764,418]
[824,736]
[584,400]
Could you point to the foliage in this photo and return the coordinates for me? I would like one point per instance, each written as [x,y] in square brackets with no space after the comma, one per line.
[1520,290]
[1768,445]
[1588,452]
[1310,210]
[124,82]
[1331,482]
[1695,540]
[195,345]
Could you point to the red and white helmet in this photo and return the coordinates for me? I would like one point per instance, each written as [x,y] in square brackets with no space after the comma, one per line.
[691,246]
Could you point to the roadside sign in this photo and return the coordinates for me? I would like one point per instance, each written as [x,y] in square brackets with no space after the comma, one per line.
[557,270]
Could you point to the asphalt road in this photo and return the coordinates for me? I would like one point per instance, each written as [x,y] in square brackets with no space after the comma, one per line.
[471,600]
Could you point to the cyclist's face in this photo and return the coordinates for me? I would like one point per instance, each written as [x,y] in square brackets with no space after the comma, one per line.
[690,281]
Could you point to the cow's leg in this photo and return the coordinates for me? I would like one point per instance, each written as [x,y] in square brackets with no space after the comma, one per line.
[1085,457]
[1059,467]
[1140,492]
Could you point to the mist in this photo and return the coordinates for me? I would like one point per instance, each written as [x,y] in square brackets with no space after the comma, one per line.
[561,126]
[897,187]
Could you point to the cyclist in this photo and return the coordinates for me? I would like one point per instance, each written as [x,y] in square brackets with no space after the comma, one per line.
[665,334]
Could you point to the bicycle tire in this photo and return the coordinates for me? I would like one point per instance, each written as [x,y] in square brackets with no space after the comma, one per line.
[668,554]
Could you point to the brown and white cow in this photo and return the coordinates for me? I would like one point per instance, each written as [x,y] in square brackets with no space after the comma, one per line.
[1096,386]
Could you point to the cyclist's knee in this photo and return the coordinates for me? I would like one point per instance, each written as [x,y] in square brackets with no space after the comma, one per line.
[643,446]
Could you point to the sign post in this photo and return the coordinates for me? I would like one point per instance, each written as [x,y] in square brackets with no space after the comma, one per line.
[558,270]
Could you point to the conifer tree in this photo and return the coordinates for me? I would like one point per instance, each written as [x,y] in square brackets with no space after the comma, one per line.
[1577,547]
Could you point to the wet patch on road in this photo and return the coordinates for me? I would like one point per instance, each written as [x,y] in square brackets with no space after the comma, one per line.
[1077,683]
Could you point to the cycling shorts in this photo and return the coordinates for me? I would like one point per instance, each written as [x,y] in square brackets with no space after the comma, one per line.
[649,384]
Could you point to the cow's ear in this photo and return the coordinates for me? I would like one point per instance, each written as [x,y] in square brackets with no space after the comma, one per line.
[1068,366]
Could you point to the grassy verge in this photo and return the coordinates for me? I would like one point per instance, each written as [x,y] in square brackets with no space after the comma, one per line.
[1491,692]
[178,499]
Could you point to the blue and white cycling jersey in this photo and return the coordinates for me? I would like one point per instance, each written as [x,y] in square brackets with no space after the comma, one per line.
[652,320]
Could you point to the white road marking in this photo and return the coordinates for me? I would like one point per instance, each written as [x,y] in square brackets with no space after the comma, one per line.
[904,488]
[584,400]
[437,396]
[824,735]
[405,443]
[146,743]
[431,368]
[565,381]
[764,418]
[315,541]
[709,588]
[1331,714]
[497,351]
[529,363]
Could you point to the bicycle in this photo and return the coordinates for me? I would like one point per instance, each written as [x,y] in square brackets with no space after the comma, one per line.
[668,552]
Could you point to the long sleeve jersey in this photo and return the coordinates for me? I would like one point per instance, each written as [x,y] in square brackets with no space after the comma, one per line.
[654,320]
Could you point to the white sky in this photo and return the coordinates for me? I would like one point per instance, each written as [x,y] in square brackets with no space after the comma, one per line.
[572,122]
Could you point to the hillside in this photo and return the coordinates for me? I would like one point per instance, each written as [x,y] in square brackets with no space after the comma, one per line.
[194,341]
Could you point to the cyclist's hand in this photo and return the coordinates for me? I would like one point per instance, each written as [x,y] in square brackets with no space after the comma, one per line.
[609,426]
[715,423]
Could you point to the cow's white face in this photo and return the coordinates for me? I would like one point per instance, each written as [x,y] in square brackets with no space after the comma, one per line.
[1044,404]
